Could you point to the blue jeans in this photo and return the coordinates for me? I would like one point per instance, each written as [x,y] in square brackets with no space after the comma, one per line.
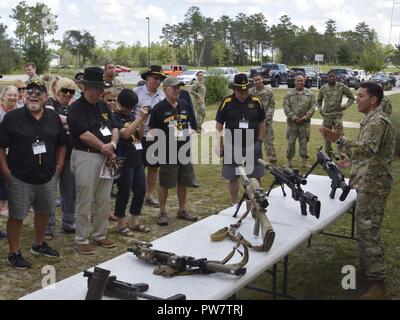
[131,179]
[67,197]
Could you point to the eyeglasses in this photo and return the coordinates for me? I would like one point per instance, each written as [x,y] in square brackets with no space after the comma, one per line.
[66,90]
[22,89]
[111,100]
[37,93]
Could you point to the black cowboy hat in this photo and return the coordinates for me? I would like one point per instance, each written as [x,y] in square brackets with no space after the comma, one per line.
[241,82]
[157,70]
[94,77]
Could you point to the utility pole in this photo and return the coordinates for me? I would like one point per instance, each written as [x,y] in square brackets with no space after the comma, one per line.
[148,41]
[396,3]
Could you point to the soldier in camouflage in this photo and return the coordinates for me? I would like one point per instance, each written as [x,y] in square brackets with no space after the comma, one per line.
[268,101]
[199,95]
[299,107]
[371,155]
[386,104]
[329,104]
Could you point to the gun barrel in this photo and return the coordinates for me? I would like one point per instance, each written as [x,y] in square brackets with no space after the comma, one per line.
[218,267]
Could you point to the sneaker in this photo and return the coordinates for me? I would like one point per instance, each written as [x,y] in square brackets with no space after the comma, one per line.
[105,243]
[17,261]
[48,236]
[45,250]
[3,234]
[67,229]
[162,219]
[152,203]
[85,248]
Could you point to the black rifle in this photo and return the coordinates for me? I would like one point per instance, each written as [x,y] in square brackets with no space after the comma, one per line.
[183,264]
[122,290]
[333,172]
[294,180]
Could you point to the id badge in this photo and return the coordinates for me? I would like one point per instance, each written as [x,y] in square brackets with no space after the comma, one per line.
[105,132]
[173,124]
[39,147]
[243,124]
[138,146]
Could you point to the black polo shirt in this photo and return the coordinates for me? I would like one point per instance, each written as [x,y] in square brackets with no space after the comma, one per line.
[241,117]
[19,131]
[61,110]
[172,121]
[83,117]
[129,148]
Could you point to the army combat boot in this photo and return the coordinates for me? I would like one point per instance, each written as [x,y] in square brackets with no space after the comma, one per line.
[377,291]
[306,164]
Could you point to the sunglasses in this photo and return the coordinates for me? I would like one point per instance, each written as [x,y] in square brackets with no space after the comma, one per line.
[37,93]
[111,100]
[22,89]
[65,91]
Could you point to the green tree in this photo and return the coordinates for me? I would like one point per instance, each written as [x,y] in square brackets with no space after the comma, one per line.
[373,58]
[34,24]
[80,43]
[219,52]
[8,57]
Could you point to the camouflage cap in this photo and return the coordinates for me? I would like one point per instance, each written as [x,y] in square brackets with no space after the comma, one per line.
[172,82]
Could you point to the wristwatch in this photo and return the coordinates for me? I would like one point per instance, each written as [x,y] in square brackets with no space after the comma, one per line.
[114,145]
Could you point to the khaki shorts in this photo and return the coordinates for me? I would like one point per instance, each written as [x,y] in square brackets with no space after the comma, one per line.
[172,174]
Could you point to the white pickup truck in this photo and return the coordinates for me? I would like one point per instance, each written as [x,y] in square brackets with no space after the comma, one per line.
[361,75]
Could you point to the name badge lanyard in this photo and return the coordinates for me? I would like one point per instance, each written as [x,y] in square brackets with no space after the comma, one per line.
[105,131]
[39,147]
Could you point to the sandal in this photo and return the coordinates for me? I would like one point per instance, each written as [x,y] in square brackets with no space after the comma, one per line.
[186,216]
[139,228]
[126,232]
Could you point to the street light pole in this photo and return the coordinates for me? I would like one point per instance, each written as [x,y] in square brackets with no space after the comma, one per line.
[148,41]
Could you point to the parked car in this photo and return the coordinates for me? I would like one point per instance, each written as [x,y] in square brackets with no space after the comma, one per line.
[227,72]
[119,69]
[310,77]
[361,75]
[174,70]
[384,78]
[189,76]
[347,77]
[272,73]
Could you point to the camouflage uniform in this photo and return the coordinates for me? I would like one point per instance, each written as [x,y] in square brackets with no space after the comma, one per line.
[117,84]
[332,111]
[199,93]
[268,101]
[372,176]
[386,106]
[298,104]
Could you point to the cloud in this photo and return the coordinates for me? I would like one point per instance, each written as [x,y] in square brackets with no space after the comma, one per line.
[73,10]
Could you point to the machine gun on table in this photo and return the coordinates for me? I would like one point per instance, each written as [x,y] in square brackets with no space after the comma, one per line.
[333,172]
[169,264]
[259,203]
[294,180]
[100,283]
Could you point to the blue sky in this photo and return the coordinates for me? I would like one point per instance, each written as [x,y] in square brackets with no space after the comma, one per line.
[124,20]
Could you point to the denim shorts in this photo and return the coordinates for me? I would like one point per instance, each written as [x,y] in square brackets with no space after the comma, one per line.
[22,195]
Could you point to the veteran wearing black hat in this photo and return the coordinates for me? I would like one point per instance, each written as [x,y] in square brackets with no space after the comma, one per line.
[95,137]
[36,142]
[243,117]
[149,95]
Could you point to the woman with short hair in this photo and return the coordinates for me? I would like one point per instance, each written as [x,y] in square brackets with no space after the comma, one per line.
[21,86]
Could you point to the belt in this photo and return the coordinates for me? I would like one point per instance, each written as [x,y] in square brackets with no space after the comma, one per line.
[88,150]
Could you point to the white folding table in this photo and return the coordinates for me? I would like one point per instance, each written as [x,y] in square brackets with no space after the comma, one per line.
[193,240]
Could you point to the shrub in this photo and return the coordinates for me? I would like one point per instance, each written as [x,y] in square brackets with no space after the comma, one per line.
[216,88]
[395,119]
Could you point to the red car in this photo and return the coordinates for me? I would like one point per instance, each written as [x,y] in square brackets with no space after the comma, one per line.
[119,69]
